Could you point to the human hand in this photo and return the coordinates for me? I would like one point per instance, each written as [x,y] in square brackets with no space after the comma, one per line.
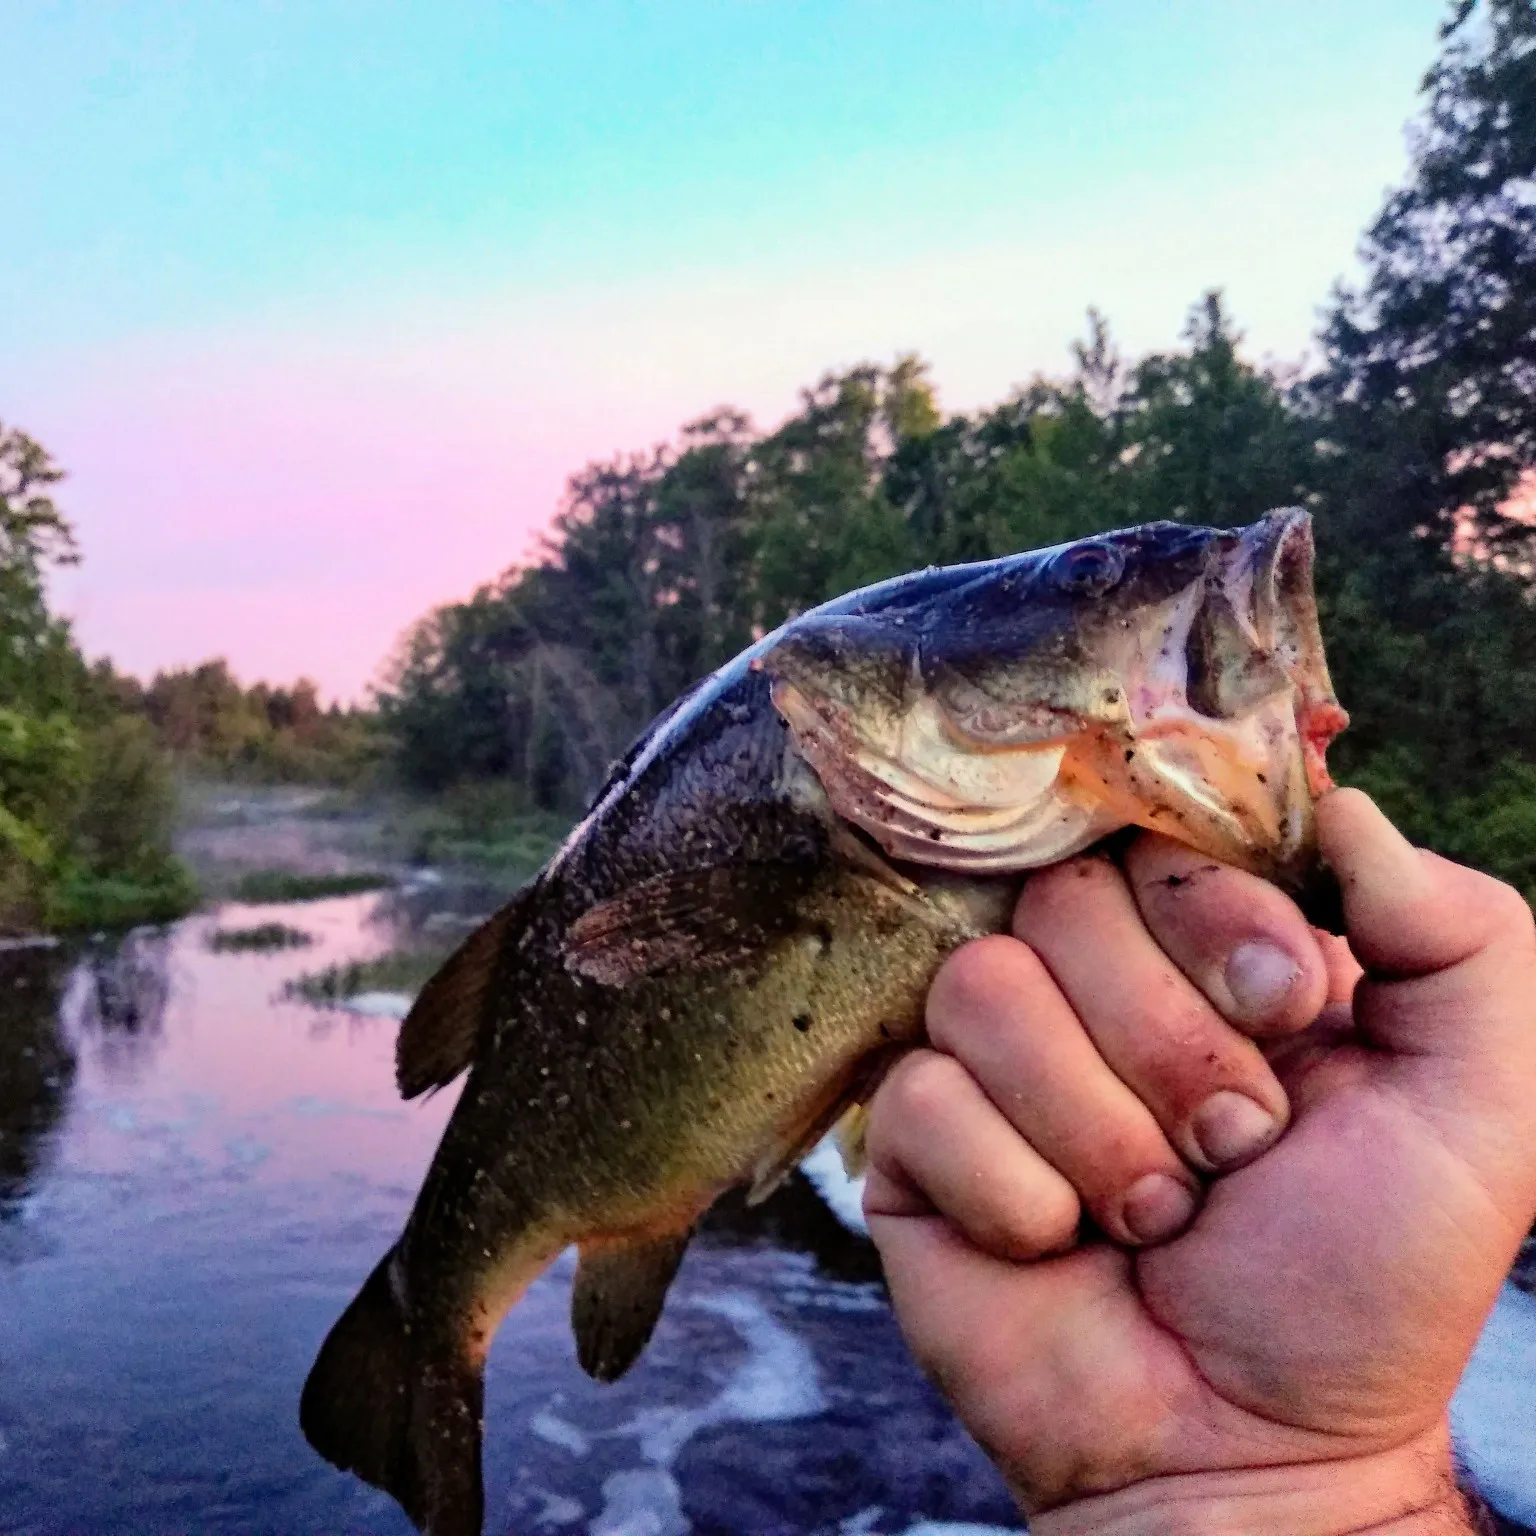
[1284,1360]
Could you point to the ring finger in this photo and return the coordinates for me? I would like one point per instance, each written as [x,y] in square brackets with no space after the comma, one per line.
[994,1008]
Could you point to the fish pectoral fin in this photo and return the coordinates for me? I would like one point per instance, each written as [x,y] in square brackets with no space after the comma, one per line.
[781,1159]
[687,920]
[620,1287]
[437,1040]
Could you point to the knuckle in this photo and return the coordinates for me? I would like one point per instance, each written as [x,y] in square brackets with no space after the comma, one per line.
[1047,892]
[1512,915]
[976,982]
[1048,1226]
[915,1100]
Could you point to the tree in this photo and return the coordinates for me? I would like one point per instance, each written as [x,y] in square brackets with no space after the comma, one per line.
[1425,416]
[1430,383]
[85,804]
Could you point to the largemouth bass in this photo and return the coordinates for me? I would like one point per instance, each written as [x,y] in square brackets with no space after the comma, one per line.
[728,950]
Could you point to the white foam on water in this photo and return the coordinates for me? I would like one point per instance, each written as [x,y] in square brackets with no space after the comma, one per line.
[554,1430]
[863,1523]
[558,1510]
[379,1005]
[823,1166]
[959,1528]
[642,1502]
[1491,1414]
[778,1380]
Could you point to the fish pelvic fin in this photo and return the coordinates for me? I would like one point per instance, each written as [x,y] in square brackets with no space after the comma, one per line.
[405,1418]
[621,1284]
[438,1038]
[852,1134]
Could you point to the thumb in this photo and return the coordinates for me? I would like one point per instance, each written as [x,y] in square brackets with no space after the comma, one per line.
[1450,950]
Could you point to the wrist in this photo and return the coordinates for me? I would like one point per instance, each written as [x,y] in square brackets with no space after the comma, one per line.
[1408,1491]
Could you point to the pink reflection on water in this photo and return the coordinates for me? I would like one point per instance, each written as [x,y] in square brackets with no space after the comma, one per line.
[240,1083]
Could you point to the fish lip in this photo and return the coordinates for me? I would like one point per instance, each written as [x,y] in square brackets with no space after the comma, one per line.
[1267,579]
[1266,576]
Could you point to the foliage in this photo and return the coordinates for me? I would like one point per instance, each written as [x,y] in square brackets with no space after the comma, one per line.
[480,825]
[1432,363]
[1425,411]
[1407,442]
[660,568]
[85,794]
[213,727]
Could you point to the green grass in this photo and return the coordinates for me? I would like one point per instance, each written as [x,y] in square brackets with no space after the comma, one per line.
[83,901]
[478,827]
[402,970]
[270,885]
[262,938]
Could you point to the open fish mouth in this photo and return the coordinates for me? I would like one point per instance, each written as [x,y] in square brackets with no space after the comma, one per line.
[1198,705]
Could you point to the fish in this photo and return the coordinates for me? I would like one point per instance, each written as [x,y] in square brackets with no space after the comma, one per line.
[732,946]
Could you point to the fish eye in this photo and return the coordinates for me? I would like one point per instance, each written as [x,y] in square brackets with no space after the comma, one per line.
[1088,569]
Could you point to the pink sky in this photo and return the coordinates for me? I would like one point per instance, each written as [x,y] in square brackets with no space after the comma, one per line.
[319,314]
[293,494]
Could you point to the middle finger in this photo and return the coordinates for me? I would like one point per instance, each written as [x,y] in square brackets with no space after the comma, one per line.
[1208,1086]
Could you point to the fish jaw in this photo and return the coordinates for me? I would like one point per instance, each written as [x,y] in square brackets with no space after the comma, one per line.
[1203,712]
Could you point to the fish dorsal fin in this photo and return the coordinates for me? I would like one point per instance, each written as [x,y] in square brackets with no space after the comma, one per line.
[620,1287]
[684,920]
[437,1040]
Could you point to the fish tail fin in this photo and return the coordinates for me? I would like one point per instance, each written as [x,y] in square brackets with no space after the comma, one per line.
[400,1416]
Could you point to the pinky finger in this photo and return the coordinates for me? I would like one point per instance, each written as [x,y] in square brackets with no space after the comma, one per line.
[937,1144]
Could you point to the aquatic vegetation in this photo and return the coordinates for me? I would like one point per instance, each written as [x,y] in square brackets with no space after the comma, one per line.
[272,885]
[260,938]
[401,970]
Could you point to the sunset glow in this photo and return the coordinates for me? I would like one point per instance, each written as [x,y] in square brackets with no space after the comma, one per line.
[319,314]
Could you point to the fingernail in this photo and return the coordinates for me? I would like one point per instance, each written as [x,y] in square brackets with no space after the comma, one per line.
[1258,976]
[1230,1127]
[1156,1206]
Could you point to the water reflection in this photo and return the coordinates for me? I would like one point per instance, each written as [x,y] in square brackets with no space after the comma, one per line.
[117,998]
[201,1170]
[37,1068]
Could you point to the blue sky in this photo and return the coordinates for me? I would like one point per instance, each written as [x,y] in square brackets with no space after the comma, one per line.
[319,302]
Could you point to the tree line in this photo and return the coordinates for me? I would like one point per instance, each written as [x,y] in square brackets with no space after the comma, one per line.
[1408,438]
[89,756]
[213,727]
[86,796]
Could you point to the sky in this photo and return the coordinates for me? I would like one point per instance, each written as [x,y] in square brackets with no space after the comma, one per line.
[319,304]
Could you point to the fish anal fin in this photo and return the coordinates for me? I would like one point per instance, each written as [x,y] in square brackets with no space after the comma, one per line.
[688,920]
[621,1283]
[781,1159]
[437,1040]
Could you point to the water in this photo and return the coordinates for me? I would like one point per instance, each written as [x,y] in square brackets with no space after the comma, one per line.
[195,1175]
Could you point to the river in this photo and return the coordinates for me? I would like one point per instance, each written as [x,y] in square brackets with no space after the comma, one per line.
[196,1171]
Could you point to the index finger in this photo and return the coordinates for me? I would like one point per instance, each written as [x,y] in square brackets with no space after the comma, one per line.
[1240,940]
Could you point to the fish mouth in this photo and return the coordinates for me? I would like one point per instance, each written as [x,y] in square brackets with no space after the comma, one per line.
[1209,719]
[1270,576]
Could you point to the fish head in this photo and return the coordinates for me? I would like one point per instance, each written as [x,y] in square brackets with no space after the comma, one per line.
[1006,715]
